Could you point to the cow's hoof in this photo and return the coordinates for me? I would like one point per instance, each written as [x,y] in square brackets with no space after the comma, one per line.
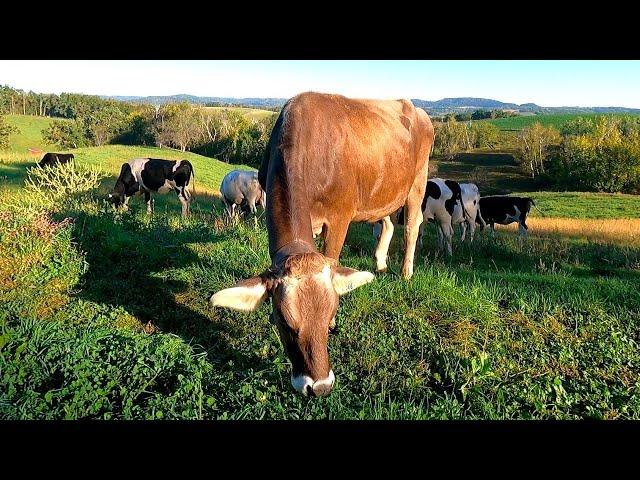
[384,269]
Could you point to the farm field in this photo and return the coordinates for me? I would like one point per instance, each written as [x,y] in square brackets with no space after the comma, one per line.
[30,135]
[255,113]
[105,314]
[555,120]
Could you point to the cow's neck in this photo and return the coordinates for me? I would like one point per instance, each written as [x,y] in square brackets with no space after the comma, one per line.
[288,215]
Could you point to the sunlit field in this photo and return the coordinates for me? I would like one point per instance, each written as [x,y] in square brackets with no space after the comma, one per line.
[104,314]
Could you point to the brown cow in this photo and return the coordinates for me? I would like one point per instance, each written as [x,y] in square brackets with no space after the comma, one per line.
[331,161]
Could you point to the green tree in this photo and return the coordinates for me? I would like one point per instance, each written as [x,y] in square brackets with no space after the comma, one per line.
[533,146]
[66,134]
[5,132]
[485,134]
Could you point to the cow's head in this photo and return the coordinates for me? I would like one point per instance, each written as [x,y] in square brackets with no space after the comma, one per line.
[305,288]
[115,198]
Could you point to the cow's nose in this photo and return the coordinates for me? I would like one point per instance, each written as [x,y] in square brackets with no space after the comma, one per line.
[305,385]
[324,386]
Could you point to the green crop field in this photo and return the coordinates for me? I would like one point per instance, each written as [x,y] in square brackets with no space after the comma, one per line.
[255,113]
[555,120]
[104,314]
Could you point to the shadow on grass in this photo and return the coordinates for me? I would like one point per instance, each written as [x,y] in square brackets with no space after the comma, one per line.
[128,261]
[510,252]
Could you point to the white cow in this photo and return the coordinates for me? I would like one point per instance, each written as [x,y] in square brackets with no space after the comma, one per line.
[242,188]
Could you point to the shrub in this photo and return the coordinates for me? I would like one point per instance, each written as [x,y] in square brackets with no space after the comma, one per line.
[66,134]
[52,186]
[5,132]
[602,155]
[534,143]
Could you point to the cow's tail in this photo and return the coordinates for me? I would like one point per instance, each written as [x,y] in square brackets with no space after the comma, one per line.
[479,220]
[531,203]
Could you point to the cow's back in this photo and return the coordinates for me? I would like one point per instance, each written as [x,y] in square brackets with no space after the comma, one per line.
[354,157]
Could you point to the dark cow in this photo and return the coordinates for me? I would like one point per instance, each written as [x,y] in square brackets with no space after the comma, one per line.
[146,175]
[55,158]
[330,161]
[504,210]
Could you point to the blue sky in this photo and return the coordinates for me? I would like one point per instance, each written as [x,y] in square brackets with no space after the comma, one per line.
[547,83]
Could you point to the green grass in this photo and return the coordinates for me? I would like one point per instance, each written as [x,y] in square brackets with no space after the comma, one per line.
[544,328]
[104,314]
[30,135]
[209,172]
[555,120]
[586,205]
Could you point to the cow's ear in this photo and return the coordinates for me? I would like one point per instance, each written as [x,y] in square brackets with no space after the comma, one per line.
[347,279]
[247,295]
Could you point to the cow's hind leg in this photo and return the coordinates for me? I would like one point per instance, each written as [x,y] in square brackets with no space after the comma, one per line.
[383,244]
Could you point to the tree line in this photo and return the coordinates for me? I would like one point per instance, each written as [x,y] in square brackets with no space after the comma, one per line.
[226,134]
[593,154]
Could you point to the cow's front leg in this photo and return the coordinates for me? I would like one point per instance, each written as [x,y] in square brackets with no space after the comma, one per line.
[185,205]
[334,236]
[472,231]
[413,219]
[149,201]
[383,244]
[447,230]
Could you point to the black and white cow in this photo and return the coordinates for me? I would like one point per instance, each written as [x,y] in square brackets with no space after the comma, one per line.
[443,205]
[446,203]
[55,158]
[503,210]
[146,175]
[241,188]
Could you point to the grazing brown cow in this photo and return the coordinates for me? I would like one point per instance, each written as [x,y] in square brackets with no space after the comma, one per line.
[330,161]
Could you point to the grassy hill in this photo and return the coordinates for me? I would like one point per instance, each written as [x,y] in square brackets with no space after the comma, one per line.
[209,172]
[555,120]
[30,135]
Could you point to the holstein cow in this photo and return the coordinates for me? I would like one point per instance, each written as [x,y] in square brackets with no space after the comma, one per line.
[504,210]
[55,158]
[146,175]
[443,205]
[331,161]
[242,188]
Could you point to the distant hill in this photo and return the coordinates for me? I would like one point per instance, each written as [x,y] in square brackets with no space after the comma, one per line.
[436,107]
[260,103]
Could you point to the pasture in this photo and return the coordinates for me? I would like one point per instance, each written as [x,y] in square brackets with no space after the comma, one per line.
[555,120]
[30,135]
[104,314]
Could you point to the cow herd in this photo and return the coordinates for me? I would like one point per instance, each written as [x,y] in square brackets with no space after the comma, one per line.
[330,161]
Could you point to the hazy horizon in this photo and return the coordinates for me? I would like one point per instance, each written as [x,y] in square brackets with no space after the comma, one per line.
[553,83]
